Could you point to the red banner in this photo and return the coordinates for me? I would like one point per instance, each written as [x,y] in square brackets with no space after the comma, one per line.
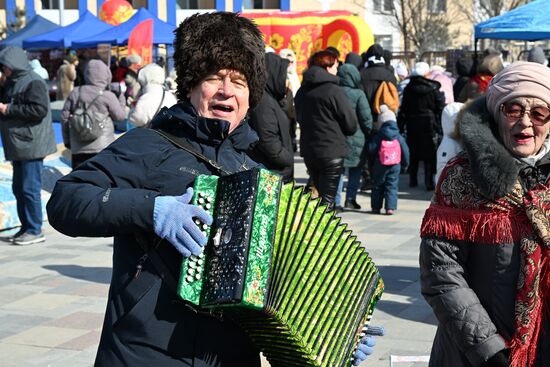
[308,32]
[141,41]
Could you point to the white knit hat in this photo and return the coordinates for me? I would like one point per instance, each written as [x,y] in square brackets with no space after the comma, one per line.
[421,69]
[385,115]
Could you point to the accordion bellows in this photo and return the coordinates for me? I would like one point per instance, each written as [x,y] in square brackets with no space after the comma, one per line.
[283,267]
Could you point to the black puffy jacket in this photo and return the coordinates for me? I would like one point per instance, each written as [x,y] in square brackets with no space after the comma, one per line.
[274,150]
[420,116]
[324,114]
[113,194]
[371,77]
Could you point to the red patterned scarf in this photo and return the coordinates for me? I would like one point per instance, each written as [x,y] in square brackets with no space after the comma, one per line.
[459,212]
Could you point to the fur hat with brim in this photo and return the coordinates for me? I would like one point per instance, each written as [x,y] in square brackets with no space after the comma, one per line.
[206,43]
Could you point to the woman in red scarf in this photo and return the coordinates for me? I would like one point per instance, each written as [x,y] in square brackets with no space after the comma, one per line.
[485,251]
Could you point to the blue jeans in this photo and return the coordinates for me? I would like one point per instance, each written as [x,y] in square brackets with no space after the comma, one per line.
[354,181]
[385,182]
[26,187]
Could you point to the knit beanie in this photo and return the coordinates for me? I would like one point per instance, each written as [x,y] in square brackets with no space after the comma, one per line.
[209,42]
[421,69]
[520,79]
[536,54]
[385,115]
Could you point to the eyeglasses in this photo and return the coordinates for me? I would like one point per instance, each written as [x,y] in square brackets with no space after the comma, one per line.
[539,116]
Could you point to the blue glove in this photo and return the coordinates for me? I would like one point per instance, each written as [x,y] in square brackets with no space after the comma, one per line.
[173,220]
[364,349]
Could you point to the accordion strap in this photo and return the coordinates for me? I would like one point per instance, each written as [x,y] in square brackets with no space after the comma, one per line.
[184,144]
[158,263]
[162,269]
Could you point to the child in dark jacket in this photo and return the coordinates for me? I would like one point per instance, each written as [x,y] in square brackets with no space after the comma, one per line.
[391,152]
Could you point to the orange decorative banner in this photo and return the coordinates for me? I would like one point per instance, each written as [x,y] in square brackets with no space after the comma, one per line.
[115,12]
[311,31]
[141,41]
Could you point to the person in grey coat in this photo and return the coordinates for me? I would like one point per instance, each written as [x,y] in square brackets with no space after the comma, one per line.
[485,251]
[27,136]
[107,108]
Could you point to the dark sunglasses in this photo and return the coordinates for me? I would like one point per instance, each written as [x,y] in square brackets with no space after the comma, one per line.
[514,111]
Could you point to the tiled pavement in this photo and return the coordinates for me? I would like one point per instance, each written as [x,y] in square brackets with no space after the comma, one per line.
[52,295]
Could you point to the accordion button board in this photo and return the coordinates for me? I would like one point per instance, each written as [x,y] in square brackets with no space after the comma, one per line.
[244,209]
[285,268]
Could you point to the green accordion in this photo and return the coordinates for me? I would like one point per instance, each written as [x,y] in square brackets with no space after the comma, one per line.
[283,267]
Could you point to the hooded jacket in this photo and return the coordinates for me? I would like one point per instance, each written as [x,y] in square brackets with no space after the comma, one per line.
[324,114]
[350,81]
[107,107]
[420,114]
[372,75]
[388,131]
[27,131]
[274,149]
[152,95]
[113,194]
[468,277]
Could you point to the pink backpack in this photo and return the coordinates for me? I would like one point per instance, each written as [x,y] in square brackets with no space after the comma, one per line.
[389,152]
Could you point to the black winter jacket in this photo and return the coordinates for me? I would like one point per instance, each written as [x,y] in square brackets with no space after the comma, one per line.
[274,150]
[27,131]
[371,78]
[324,114]
[113,194]
[419,116]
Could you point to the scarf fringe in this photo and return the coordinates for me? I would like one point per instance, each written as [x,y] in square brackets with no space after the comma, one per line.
[479,226]
[524,354]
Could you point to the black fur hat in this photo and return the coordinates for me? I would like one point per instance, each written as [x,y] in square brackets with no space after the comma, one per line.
[207,43]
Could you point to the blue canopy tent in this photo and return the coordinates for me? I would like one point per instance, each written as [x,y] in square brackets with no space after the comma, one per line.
[163,33]
[530,22]
[86,26]
[38,25]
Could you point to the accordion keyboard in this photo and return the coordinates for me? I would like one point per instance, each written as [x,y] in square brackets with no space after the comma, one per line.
[225,272]
[192,268]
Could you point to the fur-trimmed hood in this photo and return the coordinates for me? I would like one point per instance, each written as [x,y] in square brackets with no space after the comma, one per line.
[494,169]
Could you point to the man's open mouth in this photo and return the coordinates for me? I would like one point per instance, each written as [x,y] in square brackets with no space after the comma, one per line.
[222,108]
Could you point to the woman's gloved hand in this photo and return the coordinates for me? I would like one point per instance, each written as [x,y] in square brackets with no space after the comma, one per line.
[364,349]
[173,220]
[498,360]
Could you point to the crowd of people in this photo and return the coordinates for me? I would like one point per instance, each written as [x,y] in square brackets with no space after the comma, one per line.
[235,105]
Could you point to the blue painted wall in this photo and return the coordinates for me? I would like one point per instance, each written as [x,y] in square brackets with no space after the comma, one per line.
[153,7]
[238,4]
[83,6]
[10,8]
[99,3]
[285,5]
[29,7]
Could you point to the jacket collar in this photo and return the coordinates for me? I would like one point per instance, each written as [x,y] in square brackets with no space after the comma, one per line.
[182,120]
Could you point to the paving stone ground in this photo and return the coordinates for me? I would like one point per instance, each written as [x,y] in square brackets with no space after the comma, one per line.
[53,295]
